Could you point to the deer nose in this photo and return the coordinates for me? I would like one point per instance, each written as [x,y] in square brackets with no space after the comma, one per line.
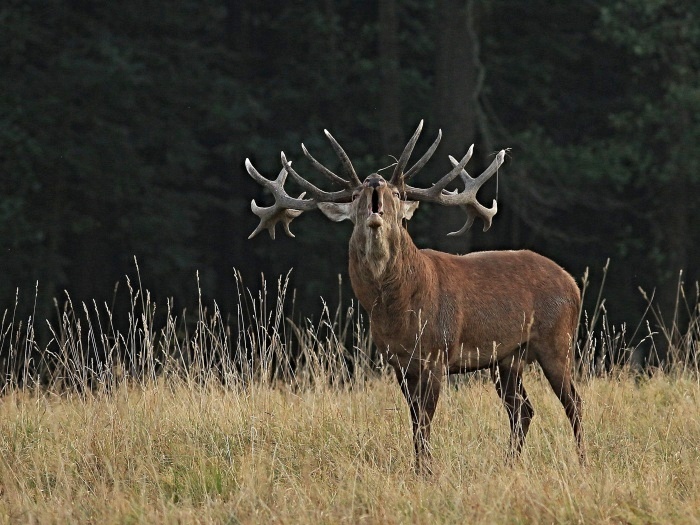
[374,181]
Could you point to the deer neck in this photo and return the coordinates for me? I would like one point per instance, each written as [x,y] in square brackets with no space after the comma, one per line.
[384,268]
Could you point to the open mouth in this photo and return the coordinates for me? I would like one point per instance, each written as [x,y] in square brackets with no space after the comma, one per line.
[376,204]
[375,212]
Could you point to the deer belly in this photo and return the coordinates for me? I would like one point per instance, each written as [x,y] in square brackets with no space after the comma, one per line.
[465,358]
[457,359]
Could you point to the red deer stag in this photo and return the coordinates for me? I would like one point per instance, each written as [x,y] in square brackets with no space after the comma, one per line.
[432,312]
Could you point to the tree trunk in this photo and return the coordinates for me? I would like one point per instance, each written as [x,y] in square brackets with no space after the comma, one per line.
[456,75]
[456,92]
[390,103]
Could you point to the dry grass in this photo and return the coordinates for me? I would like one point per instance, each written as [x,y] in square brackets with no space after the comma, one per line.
[214,424]
[173,451]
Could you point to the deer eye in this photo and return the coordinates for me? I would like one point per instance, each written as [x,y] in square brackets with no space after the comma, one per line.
[397,194]
[355,196]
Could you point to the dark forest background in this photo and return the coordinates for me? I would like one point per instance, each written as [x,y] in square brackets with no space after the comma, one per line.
[124,127]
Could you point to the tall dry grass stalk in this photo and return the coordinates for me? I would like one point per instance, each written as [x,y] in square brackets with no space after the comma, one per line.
[261,420]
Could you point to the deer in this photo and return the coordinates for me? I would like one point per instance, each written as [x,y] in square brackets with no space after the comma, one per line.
[433,313]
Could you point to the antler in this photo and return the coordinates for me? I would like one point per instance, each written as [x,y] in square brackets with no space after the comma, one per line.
[398,175]
[465,199]
[286,208]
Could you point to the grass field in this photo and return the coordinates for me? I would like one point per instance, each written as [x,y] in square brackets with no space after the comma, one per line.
[176,452]
[215,442]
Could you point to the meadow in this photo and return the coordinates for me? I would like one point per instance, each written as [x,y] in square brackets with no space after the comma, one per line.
[262,420]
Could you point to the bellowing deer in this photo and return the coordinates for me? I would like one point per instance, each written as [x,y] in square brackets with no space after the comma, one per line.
[433,312]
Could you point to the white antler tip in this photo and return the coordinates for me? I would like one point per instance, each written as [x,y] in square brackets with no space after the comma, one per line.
[286,163]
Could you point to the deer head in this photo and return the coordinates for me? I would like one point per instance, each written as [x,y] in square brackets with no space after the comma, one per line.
[376,206]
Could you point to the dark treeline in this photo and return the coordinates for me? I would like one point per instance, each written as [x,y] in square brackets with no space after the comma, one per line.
[124,127]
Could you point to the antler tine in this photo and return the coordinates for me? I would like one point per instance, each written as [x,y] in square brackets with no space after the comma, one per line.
[284,210]
[344,159]
[317,193]
[328,173]
[479,181]
[406,155]
[440,185]
[269,216]
[424,159]
[473,184]
[486,215]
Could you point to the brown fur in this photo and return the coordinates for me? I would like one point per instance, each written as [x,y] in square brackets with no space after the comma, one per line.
[433,312]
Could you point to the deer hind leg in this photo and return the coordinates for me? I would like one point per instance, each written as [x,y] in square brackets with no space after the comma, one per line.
[421,390]
[557,370]
[507,376]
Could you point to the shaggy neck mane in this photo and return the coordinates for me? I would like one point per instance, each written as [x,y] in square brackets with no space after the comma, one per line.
[383,269]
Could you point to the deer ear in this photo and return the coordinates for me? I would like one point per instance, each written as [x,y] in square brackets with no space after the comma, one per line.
[408,208]
[337,211]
